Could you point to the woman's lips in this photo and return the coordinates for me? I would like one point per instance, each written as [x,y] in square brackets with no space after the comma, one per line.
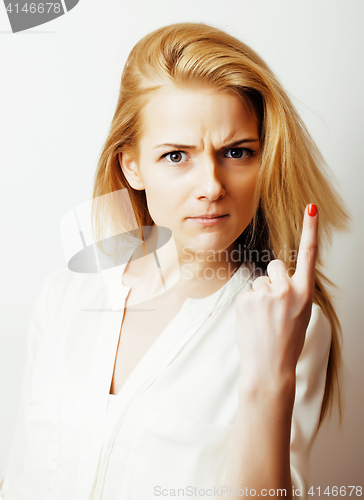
[209,221]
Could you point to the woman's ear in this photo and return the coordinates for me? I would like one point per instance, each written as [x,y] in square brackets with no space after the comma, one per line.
[131,171]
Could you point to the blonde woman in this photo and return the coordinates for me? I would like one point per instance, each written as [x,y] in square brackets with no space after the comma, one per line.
[213,381]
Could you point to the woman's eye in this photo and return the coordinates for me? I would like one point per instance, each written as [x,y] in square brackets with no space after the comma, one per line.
[239,153]
[176,156]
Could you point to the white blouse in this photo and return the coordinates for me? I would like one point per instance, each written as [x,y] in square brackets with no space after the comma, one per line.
[170,426]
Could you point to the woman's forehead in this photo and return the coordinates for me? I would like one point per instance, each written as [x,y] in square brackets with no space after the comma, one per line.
[176,114]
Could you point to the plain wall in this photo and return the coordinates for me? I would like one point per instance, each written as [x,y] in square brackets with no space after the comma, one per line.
[58,90]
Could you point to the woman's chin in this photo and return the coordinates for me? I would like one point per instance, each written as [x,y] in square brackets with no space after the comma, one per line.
[205,248]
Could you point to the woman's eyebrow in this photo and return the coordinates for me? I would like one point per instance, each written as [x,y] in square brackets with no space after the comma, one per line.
[237,143]
[176,146]
[187,146]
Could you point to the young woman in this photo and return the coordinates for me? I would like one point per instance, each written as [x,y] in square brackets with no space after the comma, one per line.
[219,357]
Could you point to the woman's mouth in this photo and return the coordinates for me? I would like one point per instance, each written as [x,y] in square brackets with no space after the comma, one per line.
[209,220]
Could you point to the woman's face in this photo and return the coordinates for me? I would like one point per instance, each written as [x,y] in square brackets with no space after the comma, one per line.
[198,156]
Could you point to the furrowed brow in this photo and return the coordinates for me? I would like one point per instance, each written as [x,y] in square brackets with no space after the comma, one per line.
[189,146]
[175,146]
[239,143]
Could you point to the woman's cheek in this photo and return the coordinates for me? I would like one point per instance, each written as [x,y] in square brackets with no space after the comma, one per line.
[160,209]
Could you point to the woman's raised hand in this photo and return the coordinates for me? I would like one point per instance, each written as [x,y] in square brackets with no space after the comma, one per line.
[273,316]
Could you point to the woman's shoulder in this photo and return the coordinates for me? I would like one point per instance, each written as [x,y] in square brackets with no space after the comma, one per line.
[64,280]
[319,329]
[316,349]
[67,287]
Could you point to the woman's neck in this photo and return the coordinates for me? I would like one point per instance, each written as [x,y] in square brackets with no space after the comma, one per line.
[172,265]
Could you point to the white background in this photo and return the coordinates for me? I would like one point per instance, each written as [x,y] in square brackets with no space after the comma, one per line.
[58,90]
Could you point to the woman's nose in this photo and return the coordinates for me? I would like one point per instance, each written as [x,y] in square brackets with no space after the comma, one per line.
[209,183]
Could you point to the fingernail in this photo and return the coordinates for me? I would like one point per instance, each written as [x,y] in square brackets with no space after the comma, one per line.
[312,210]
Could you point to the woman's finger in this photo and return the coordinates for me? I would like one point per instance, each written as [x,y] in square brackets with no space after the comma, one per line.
[262,281]
[277,271]
[305,268]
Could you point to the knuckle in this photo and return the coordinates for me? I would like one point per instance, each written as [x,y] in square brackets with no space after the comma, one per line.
[277,268]
[313,247]
[263,293]
[275,263]
[261,280]
[284,290]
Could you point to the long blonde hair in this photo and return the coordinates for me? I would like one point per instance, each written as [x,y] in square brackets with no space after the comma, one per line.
[293,173]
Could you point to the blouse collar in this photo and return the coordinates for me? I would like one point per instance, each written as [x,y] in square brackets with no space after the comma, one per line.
[117,291]
[238,280]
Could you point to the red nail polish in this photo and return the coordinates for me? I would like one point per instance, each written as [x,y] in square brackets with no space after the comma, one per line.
[312,210]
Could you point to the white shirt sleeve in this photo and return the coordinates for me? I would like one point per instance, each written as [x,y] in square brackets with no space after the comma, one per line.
[310,386]
[36,330]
